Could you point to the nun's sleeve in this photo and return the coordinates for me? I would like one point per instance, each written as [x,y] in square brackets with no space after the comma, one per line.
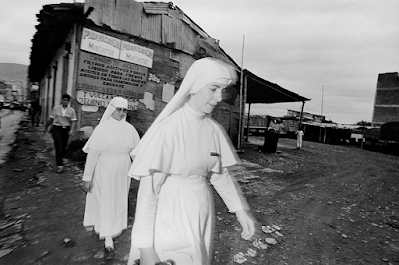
[146,208]
[91,162]
[228,191]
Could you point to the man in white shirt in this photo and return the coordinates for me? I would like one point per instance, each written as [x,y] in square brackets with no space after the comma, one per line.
[63,120]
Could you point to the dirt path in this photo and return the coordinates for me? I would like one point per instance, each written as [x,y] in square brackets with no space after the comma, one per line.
[334,205]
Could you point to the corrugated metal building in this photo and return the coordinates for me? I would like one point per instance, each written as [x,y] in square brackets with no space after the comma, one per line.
[141,51]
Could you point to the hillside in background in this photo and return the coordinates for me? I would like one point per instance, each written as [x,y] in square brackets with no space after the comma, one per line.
[14,71]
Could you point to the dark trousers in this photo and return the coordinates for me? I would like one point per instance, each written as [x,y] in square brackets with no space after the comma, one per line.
[60,137]
[35,117]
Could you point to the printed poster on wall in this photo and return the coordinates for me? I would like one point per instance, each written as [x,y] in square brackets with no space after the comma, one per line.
[110,76]
[96,42]
[102,44]
[95,99]
[137,54]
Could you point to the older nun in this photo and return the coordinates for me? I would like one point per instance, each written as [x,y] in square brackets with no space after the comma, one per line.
[105,176]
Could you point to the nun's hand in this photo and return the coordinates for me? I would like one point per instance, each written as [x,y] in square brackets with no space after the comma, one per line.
[87,186]
[148,256]
[248,224]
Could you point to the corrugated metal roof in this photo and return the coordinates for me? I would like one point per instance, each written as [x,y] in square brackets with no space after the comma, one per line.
[159,22]
[55,23]
[157,8]
[151,28]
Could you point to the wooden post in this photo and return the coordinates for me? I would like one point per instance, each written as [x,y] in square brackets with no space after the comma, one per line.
[248,117]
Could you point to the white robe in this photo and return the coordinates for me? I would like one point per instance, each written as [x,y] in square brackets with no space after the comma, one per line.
[107,164]
[175,212]
[299,136]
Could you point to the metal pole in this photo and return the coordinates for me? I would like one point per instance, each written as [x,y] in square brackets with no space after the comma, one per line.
[244,100]
[322,99]
[301,114]
[239,144]
[321,115]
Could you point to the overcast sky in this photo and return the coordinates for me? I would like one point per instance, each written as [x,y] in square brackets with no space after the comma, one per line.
[301,45]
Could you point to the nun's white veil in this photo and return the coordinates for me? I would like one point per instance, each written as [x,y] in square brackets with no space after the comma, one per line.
[116,102]
[201,73]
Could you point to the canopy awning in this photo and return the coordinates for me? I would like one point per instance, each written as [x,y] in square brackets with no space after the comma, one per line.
[260,90]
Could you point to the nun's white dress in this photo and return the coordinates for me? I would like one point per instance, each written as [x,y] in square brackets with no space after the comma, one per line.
[107,164]
[175,211]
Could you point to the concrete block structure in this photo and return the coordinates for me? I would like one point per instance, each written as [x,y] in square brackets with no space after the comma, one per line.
[386,102]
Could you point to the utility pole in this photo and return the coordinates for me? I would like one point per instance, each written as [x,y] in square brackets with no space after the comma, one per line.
[242,104]
[321,115]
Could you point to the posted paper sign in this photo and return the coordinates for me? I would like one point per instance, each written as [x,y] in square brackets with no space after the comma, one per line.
[105,45]
[110,76]
[95,99]
[137,54]
[101,44]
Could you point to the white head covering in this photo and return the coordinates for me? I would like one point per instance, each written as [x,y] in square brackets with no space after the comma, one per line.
[116,102]
[201,73]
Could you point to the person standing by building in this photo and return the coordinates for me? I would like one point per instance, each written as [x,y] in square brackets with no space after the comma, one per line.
[12,105]
[62,122]
[105,176]
[35,110]
[182,152]
[299,137]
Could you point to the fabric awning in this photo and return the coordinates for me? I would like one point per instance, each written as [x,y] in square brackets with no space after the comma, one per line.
[260,90]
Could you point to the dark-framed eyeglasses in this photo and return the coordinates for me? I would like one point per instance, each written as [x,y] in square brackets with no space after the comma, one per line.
[121,110]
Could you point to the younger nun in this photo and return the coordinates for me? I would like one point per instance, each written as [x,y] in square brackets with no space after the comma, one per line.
[183,151]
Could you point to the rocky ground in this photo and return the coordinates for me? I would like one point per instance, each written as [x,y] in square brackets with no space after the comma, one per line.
[324,204]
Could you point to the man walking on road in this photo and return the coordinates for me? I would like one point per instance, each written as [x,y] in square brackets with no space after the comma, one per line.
[62,122]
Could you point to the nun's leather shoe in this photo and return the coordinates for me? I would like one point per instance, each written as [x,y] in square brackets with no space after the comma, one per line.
[109,253]
[60,169]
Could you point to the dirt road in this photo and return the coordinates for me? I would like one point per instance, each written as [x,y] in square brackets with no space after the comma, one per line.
[334,205]
[327,204]
[8,125]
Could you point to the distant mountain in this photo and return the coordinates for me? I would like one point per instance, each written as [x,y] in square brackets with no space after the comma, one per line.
[11,72]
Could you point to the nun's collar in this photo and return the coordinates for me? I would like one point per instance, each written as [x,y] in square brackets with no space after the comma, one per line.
[192,113]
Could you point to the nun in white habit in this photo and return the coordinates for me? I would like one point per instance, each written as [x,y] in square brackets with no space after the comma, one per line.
[105,176]
[183,151]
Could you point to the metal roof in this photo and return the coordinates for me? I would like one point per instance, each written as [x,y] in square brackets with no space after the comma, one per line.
[162,23]
[55,23]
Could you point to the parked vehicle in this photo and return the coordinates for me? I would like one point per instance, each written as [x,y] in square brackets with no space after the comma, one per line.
[16,105]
